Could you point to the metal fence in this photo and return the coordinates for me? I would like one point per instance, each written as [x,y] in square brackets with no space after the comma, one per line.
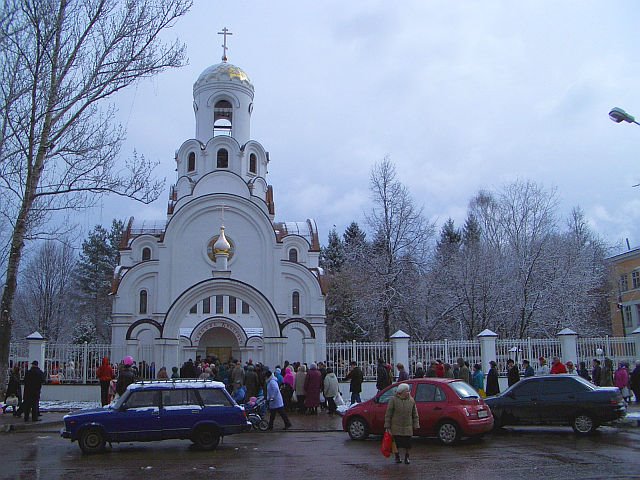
[448,351]
[526,349]
[365,354]
[618,349]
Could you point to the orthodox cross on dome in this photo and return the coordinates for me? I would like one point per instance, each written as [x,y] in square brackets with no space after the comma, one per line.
[222,214]
[225,31]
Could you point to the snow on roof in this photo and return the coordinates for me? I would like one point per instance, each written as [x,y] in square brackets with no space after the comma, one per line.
[176,384]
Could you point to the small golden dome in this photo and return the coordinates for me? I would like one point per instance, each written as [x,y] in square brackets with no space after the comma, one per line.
[222,245]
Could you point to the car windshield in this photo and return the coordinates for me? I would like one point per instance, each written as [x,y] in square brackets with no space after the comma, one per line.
[120,400]
[464,390]
[590,385]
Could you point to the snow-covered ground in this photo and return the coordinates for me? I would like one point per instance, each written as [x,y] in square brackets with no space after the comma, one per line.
[63,405]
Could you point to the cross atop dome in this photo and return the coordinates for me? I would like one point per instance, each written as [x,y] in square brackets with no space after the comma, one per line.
[225,31]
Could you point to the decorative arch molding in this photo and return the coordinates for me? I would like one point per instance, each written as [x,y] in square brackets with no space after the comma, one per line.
[216,97]
[189,145]
[187,340]
[218,322]
[145,321]
[309,328]
[221,286]
[254,341]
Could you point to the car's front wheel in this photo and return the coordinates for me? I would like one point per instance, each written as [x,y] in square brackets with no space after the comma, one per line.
[91,440]
[206,438]
[358,428]
[583,424]
[448,433]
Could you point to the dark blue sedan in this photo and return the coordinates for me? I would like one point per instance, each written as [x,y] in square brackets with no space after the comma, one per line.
[198,410]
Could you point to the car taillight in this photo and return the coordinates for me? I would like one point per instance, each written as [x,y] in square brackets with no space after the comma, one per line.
[470,412]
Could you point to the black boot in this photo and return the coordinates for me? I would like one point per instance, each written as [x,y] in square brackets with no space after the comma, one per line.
[406,458]
[398,458]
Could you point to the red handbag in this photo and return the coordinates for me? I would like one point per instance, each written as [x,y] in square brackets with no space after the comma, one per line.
[387,441]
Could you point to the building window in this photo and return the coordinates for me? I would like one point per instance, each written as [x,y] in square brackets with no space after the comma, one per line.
[143,301]
[219,304]
[206,305]
[295,303]
[146,253]
[635,279]
[245,307]
[232,305]
[628,320]
[624,283]
[194,309]
[253,163]
[222,159]
[293,255]
[222,118]
[191,162]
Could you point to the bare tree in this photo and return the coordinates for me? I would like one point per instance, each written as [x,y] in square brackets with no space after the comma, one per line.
[44,300]
[400,242]
[59,146]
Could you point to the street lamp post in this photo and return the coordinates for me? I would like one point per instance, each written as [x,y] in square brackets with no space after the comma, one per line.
[619,115]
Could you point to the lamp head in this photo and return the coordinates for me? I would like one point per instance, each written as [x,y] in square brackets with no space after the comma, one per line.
[618,115]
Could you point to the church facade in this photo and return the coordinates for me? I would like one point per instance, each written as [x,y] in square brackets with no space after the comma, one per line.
[220,276]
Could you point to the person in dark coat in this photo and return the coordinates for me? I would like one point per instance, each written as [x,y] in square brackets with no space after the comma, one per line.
[125,376]
[596,373]
[513,374]
[14,390]
[33,380]
[493,388]
[252,382]
[583,372]
[528,369]
[312,389]
[382,376]
[356,377]
[419,373]
[634,381]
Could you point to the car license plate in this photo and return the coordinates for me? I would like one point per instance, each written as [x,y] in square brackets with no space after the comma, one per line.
[483,414]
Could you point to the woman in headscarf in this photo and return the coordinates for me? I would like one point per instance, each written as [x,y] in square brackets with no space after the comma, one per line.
[288,386]
[301,376]
[401,420]
[312,389]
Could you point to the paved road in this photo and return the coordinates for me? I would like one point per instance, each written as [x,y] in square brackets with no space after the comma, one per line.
[539,453]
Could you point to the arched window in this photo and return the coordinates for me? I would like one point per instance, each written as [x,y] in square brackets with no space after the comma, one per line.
[146,253]
[222,118]
[222,159]
[253,163]
[295,303]
[191,162]
[143,301]
[293,255]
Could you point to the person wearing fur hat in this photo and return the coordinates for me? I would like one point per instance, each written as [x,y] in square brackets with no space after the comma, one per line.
[401,420]
[274,401]
[419,373]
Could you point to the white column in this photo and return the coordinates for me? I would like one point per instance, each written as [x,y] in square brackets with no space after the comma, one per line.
[400,345]
[309,351]
[188,353]
[165,353]
[569,345]
[487,340]
[36,344]
[273,351]
[132,349]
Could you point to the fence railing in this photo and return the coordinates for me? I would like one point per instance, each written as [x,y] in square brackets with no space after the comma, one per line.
[365,354]
[70,363]
[447,351]
[618,349]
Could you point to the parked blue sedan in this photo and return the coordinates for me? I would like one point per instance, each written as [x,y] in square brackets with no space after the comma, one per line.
[198,410]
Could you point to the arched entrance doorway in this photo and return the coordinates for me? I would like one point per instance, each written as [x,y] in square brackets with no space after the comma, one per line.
[220,337]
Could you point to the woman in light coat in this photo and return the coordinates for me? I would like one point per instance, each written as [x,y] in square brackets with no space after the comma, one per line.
[401,420]
[301,376]
[331,389]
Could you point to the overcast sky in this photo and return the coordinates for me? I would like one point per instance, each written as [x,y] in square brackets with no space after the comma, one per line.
[462,96]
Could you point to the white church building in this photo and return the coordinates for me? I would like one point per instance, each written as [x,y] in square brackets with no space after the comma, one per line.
[220,276]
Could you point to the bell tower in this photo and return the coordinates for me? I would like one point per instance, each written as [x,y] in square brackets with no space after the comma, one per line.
[223,100]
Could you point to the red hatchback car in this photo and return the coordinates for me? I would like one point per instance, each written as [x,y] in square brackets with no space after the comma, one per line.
[448,409]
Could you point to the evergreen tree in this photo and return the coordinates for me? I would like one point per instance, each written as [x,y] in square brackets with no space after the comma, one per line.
[98,260]
[471,231]
[355,241]
[332,256]
[450,238]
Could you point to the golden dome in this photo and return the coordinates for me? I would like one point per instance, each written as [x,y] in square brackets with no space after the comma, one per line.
[222,245]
